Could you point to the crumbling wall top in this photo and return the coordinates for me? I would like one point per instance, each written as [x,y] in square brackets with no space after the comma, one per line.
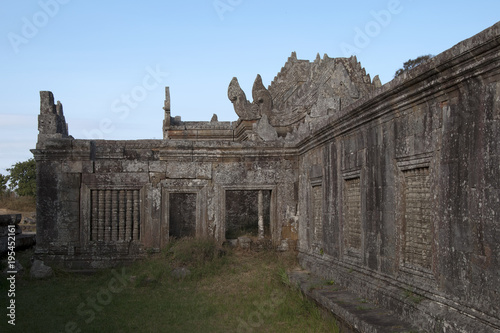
[51,121]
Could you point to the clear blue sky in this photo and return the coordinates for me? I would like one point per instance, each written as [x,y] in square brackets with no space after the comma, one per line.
[91,54]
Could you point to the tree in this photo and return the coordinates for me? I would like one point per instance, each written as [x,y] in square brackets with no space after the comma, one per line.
[412,63]
[22,178]
[3,183]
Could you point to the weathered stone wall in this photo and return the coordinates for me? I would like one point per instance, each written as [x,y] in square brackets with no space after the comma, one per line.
[100,202]
[392,191]
[409,181]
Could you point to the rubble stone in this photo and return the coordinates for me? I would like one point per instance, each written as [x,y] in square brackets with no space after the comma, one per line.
[40,271]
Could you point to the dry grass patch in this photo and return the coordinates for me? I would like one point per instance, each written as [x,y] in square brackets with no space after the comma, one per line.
[226,291]
[12,204]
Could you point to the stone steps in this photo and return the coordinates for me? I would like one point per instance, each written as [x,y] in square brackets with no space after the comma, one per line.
[354,313]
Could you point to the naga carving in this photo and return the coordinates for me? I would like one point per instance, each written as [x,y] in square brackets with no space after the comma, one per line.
[242,106]
[262,101]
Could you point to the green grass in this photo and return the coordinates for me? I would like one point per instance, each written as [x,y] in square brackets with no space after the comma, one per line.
[227,291]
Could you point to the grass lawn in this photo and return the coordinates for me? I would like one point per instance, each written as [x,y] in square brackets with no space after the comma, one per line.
[226,291]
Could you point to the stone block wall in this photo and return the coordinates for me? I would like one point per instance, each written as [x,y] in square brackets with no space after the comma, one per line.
[409,183]
[393,192]
[104,202]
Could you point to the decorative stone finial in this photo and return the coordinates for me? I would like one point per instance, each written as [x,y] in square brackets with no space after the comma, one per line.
[242,106]
[262,99]
[167,99]
[318,58]
[167,121]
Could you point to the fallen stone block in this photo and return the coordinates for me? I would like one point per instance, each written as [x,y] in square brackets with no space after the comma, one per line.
[40,271]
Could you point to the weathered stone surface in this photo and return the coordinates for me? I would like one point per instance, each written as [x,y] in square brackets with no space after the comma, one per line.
[40,271]
[10,220]
[265,131]
[51,121]
[244,242]
[18,268]
[243,108]
[393,191]
[353,313]
[283,247]
[11,232]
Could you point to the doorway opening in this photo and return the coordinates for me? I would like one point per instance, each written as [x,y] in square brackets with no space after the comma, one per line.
[248,213]
[182,215]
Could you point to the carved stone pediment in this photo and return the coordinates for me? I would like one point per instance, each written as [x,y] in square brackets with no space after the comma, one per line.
[303,91]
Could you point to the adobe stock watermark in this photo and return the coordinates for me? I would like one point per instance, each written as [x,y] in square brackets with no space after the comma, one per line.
[32,26]
[372,29]
[264,309]
[11,272]
[93,305]
[223,6]
[123,105]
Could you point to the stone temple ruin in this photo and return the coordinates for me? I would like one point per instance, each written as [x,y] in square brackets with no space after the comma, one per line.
[385,189]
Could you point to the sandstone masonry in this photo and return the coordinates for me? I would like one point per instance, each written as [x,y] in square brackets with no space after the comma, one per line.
[392,191]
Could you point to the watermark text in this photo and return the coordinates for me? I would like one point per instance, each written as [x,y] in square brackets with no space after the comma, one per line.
[89,309]
[11,275]
[31,26]
[223,6]
[127,102]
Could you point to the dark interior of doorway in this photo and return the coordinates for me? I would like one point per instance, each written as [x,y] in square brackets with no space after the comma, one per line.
[182,215]
[242,213]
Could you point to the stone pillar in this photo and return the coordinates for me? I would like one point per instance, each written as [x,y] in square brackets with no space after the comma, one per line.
[136,220]
[128,218]
[166,121]
[107,214]
[101,217]
[95,215]
[114,215]
[121,215]
[261,214]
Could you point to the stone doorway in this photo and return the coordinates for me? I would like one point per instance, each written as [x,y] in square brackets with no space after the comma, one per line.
[248,213]
[182,215]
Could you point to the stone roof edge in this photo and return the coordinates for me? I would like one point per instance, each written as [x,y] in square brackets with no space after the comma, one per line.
[433,66]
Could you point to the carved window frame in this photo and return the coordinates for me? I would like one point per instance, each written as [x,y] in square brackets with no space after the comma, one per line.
[86,212]
[406,164]
[349,253]
[317,242]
